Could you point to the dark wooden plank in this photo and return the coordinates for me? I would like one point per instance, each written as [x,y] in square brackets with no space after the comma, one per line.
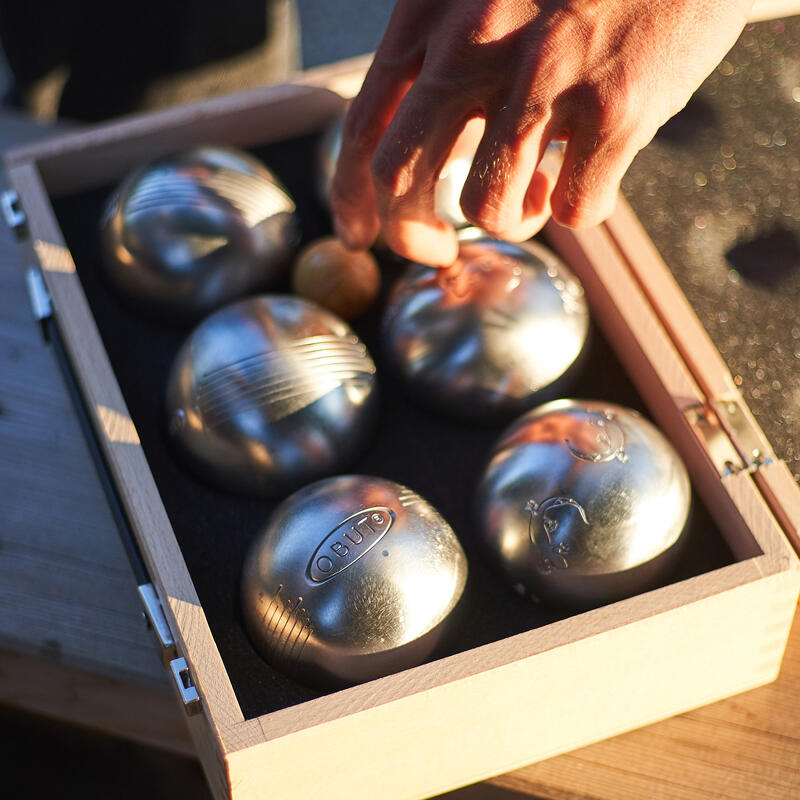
[66,590]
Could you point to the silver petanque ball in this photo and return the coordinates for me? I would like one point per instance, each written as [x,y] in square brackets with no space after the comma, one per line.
[352,578]
[495,334]
[269,393]
[188,233]
[584,503]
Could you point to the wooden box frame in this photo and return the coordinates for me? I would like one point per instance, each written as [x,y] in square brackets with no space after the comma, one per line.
[518,700]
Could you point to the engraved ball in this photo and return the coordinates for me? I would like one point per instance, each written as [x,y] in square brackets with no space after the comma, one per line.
[352,578]
[269,393]
[188,233]
[584,503]
[497,333]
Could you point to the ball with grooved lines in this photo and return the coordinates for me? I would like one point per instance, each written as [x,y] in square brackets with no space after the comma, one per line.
[269,393]
[186,234]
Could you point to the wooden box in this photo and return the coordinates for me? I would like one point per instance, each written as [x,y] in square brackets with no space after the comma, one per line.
[518,698]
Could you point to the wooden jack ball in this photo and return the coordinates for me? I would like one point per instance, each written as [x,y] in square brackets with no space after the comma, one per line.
[341,280]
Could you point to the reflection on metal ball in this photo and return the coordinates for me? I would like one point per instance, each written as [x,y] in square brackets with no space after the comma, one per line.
[188,233]
[268,393]
[352,578]
[495,334]
[584,503]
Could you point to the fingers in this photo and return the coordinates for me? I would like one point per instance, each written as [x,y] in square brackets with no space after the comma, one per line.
[588,186]
[352,198]
[504,194]
[406,167]
[605,132]
[394,69]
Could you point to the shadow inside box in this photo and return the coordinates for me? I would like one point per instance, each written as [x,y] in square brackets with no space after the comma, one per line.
[440,458]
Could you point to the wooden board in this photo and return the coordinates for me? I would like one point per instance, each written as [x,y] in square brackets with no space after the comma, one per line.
[65,589]
[73,644]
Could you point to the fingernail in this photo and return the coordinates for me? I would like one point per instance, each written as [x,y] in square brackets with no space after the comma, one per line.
[421,242]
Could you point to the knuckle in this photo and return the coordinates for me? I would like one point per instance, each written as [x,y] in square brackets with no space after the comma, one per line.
[392,175]
[359,132]
[610,110]
[580,209]
[486,211]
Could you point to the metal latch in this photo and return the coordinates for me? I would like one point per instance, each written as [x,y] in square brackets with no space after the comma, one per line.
[157,622]
[753,447]
[39,297]
[185,685]
[12,212]
[732,442]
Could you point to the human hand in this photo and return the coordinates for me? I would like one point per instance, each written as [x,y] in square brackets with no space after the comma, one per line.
[603,75]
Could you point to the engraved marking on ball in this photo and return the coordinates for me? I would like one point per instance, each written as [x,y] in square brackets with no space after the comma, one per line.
[499,318]
[408,498]
[609,440]
[255,197]
[285,380]
[349,541]
[288,625]
[551,555]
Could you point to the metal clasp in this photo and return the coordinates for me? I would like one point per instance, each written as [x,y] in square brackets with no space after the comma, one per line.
[39,297]
[185,685]
[12,212]
[157,622]
[749,441]
[731,440]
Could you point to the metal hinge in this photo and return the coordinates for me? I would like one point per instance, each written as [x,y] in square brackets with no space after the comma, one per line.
[12,212]
[732,440]
[185,685]
[157,622]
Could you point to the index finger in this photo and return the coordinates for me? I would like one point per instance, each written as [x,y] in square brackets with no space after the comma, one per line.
[352,195]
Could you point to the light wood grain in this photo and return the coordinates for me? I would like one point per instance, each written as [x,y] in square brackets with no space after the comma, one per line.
[657,282]
[102,154]
[743,748]
[539,706]
[779,487]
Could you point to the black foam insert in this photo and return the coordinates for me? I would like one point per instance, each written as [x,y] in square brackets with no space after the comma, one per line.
[440,458]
